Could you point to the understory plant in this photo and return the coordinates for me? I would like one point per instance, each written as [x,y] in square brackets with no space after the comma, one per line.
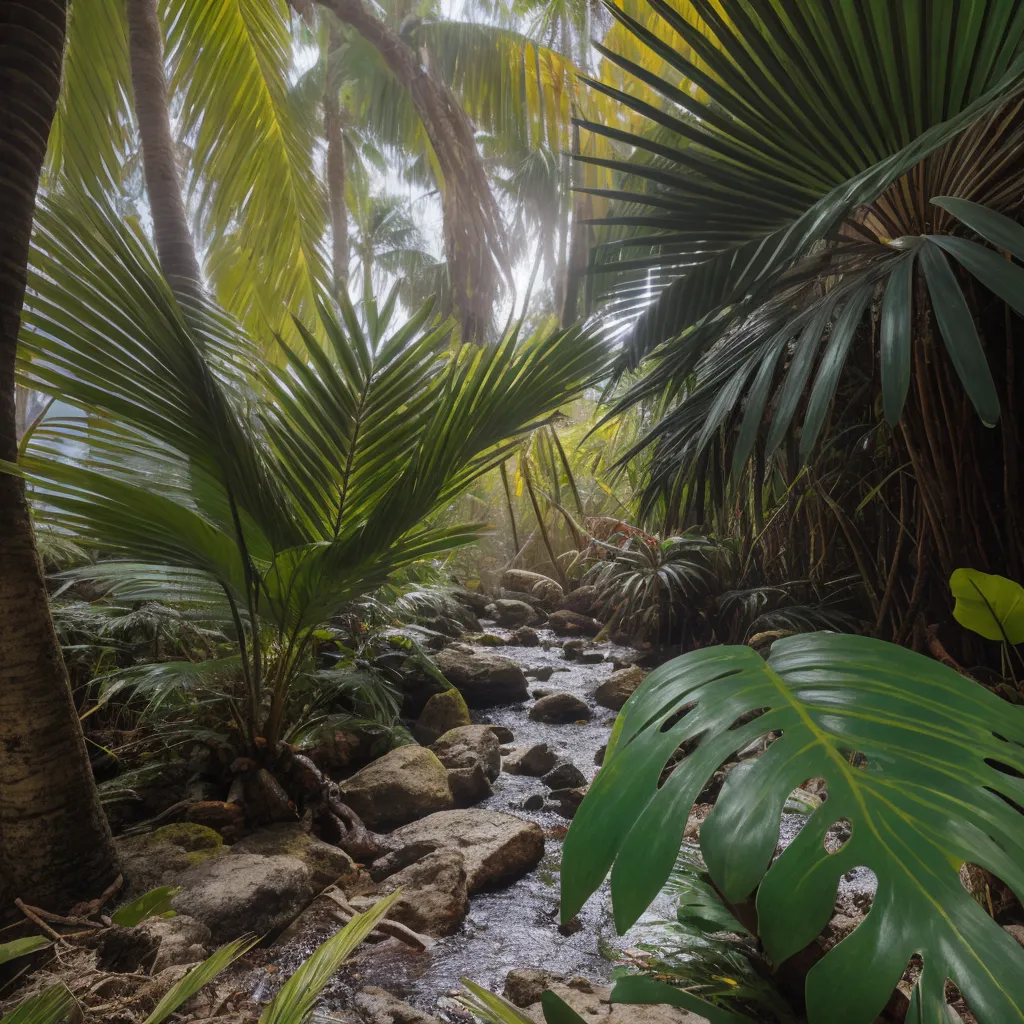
[924,766]
[261,497]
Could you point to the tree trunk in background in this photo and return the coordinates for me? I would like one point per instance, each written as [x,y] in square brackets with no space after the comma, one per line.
[474,234]
[55,845]
[336,171]
[579,240]
[171,233]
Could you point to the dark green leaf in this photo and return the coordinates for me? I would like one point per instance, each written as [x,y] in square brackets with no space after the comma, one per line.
[896,340]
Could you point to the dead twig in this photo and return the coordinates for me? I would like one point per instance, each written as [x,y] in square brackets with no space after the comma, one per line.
[30,913]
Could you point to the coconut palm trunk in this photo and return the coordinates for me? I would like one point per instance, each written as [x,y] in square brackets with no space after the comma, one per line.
[55,845]
[473,230]
[171,233]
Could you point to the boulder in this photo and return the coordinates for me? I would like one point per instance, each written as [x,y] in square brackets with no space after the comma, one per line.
[405,784]
[572,649]
[159,858]
[434,896]
[327,864]
[182,940]
[534,802]
[533,583]
[564,776]
[590,656]
[565,802]
[245,893]
[469,785]
[539,692]
[542,673]
[475,601]
[537,760]
[469,746]
[566,623]
[560,708]
[504,734]
[585,600]
[483,639]
[510,612]
[619,687]
[375,1006]
[444,711]
[496,847]
[525,636]
[484,680]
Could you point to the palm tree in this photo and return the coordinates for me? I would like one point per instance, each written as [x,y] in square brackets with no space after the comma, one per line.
[779,263]
[266,498]
[55,846]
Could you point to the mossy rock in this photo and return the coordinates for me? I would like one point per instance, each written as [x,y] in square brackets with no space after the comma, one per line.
[443,712]
[157,858]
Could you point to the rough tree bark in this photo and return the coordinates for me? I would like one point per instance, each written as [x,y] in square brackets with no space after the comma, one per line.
[56,845]
[473,230]
[171,233]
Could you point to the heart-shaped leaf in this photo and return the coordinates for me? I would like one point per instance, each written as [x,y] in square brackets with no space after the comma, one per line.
[991,606]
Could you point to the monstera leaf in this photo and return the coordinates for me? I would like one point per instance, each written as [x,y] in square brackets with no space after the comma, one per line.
[924,765]
[991,606]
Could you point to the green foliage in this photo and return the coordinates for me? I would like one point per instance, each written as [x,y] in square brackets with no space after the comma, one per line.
[493,1009]
[923,764]
[22,947]
[991,606]
[155,903]
[295,1002]
[54,1006]
[200,975]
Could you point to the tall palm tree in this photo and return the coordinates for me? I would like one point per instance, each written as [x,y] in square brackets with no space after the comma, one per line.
[55,845]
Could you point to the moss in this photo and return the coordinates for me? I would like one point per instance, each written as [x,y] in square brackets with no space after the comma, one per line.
[450,705]
[197,840]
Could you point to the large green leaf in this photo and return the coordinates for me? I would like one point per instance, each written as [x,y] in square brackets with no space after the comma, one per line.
[992,606]
[52,1006]
[22,947]
[936,784]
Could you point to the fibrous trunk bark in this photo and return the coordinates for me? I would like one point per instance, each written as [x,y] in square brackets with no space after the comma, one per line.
[171,233]
[55,845]
[474,234]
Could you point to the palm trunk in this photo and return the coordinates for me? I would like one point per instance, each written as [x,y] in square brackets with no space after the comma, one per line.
[173,239]
[473,230]
[55,845]
[336,169]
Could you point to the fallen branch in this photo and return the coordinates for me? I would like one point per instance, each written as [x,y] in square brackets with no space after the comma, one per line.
[30,913]
[385,928]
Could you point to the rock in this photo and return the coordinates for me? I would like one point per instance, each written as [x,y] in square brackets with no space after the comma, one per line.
[506,749]
[590,656]
[560,708]
[537,760]
[484,639]
[375,1006]
[444,711]
[434,897]
[509,612]
[182,939]
[534,802]
[525,636]
[564,776]
[225,817]
[619,687]
[590,1001]
[540,692]
[405,784]
[572,649]
[123,950]
[1016,931]
[566,623]
[245,893]
[496,847]
[485,680]
[158,858]
[627,660]
[565,802]
[475,601]
[460,648]
[584,600]
[504,734]
[600,755]
[533,583]
[327,864]
[542,673]
[468,746]
[469,785]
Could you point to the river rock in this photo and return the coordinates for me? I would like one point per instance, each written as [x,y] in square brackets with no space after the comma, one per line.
[160,857]
[566,623]
[510,612]
[327,864]
[565,802]
[533,583]
[537,760]
[469,746]
[564,776]
[542,673]
[497,847]
[476,602]
[619,687]
[182,940]
[524,988]
[534,802]
[525,636]
[245,893]
[375,1006]
[434,896]
[444,711]
[485,680]
[560,708]
[405,784]
[540,692]
[585,600]
[484,639]
[469,785]
[504,734]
